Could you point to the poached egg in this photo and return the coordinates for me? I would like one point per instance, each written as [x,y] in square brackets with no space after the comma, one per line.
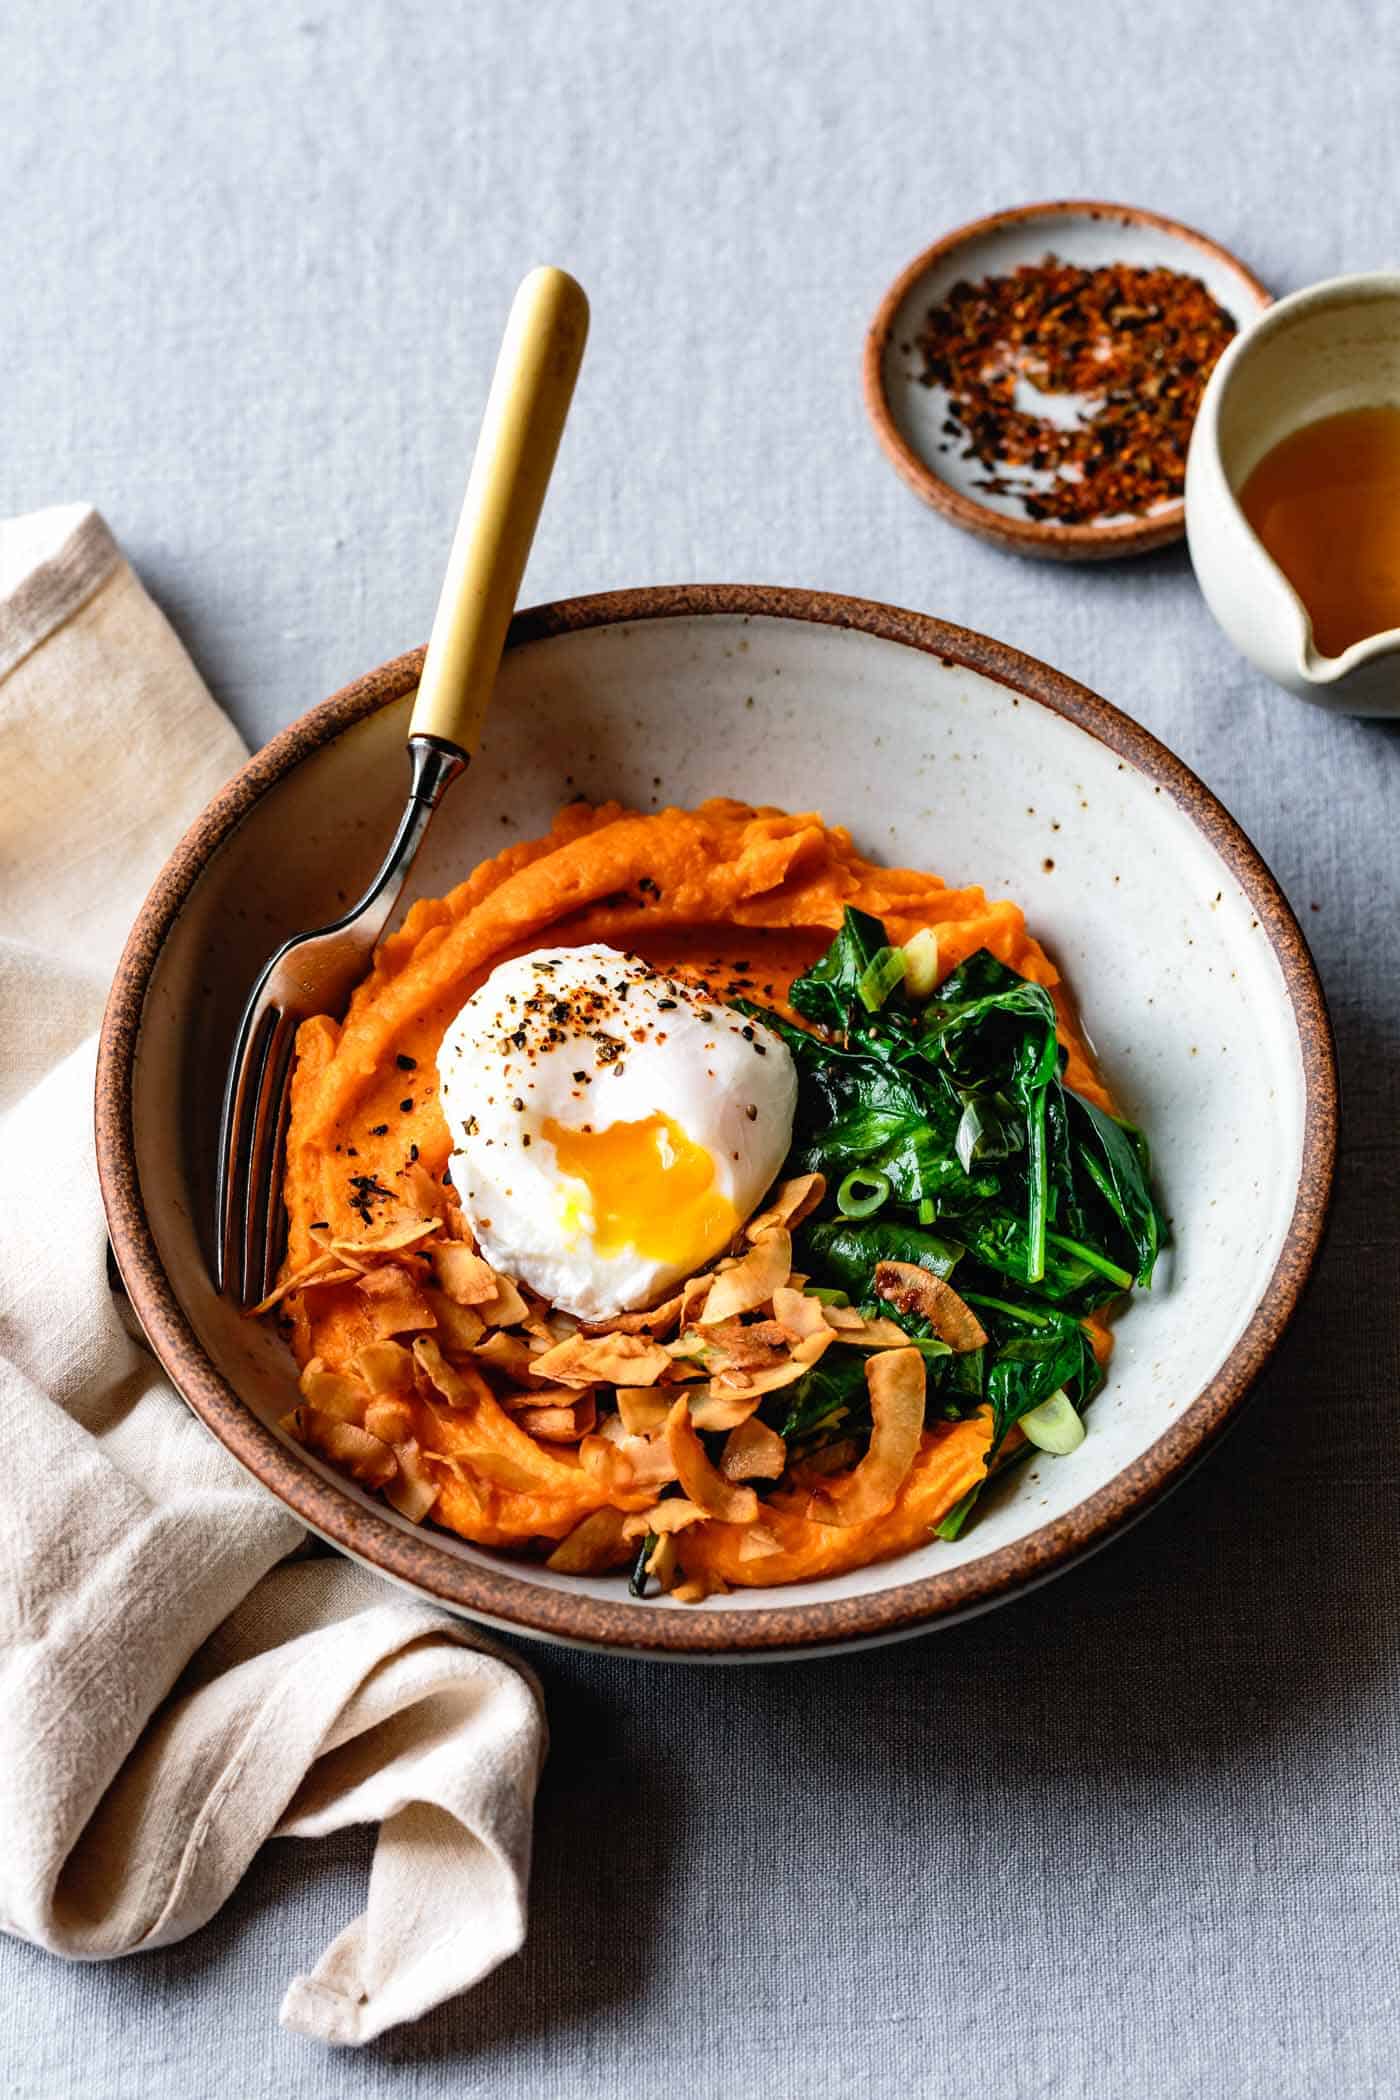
[613,1127]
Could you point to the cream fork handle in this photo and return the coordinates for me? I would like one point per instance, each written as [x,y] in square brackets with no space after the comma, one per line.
[520,432]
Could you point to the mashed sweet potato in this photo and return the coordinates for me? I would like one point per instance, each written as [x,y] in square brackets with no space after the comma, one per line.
[738,898]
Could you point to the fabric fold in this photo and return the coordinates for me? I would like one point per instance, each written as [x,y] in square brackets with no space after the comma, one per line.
[173,1688]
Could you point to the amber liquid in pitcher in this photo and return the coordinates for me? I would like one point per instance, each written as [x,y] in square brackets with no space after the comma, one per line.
[1326,504]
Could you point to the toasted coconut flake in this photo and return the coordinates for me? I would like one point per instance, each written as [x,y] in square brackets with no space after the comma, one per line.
[661,1561]
[915,1290]
[506,1353]
[333,1392]
[390,1420]
[660,1320]
[674,1514]
[797,1314]
[413,1491]
[299,1278]
[650,1460]
[592,1546]
[603,1359]
[711,1409]
[842,1318]
[466,1486]
[463,1275]
[516,1397]
[694,1292]
[357,1264]
[648,1455]
[758,1346]
[873,1334]
[758,1542]
[895,1378]
[642,1408]
[459,1327]
[460,1385]
[757,1382]
[361,1455]
[505,1308]
[386,1367]
[752,1281]
[696,1588]
[609,1465]
[753,1451]
[389,1238]
[430,1197]
[812,1346]
[717,1496]
[394,1301]
[794,1201]
[560,1424]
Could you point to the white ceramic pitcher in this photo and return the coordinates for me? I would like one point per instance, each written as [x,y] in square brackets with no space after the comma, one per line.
[1333,347]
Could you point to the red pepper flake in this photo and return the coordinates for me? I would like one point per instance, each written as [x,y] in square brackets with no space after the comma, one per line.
[1137,344]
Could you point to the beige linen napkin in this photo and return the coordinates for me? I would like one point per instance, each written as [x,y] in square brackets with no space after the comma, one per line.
[172,1690]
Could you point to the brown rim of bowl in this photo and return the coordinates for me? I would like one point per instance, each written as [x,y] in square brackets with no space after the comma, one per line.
[414,1557]
[1023,535]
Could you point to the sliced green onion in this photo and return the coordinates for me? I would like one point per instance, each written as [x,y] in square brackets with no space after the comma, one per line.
[1092,1260]
[1022,1313]
[927,1212]
[1055,1426]
[921,964]
[825,1297]
[880,976]
[693,1347]
[948,1527]
[637,1581]
[862,1193]
[969,1133]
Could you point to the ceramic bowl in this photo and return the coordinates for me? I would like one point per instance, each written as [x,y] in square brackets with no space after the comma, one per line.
[909,416]
[1320,352]
[939,748]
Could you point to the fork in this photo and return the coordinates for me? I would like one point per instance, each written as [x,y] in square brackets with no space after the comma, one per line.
[315,973]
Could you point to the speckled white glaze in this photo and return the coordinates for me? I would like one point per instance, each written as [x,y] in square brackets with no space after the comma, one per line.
[929,764]
[1333,347]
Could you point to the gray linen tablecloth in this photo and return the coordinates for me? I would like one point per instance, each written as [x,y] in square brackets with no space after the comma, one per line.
[1137,1834]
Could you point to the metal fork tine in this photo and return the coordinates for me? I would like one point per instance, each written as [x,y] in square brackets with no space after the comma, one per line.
[235,1144]
[262,1186]
[315,973]
[276,1092]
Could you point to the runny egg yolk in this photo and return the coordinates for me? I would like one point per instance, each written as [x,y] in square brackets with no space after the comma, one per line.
[651,1189]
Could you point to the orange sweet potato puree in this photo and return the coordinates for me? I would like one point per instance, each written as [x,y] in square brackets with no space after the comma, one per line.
[740,898]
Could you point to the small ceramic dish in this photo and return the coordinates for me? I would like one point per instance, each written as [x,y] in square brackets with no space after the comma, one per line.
[909,417]
[1322,351]
[939,748]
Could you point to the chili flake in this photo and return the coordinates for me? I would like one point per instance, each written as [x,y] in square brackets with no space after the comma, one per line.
[1137,345]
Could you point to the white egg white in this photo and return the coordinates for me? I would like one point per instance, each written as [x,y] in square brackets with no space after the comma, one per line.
[591,1037]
